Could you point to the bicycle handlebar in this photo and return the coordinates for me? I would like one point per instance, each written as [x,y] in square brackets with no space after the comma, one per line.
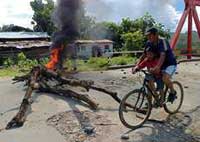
[146,72]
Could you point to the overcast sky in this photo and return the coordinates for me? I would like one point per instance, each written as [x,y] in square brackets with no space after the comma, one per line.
[168,12]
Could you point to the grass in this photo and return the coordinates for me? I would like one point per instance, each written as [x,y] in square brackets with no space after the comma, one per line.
[123,60]
[9,72]
[93,64]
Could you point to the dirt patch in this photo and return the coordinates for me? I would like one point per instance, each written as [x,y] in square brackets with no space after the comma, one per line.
[77,126]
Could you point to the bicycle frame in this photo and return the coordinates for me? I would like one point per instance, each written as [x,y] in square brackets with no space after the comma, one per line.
[147,90]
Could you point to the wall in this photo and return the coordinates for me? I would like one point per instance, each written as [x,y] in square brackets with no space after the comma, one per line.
[87,50]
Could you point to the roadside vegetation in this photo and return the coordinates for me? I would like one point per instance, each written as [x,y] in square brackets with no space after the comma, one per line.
[21,64]
[101,63]
[127,35]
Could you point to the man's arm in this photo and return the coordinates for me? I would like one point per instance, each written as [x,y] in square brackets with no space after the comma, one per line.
[161,60]
[142,57]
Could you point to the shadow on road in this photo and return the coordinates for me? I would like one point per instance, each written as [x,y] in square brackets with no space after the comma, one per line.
[180,127]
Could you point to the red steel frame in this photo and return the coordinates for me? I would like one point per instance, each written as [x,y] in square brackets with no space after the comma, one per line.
[190,11]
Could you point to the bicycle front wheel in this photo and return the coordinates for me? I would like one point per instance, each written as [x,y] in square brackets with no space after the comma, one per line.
[134,109]
[175,105]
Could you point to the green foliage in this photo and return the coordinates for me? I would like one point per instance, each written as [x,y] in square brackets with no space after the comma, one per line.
[182,42]
[122,60]
[101,63]
[42,15]
[129,34]
[11,71]
[8,62]
[23,63]
[132,31]
[133,41]
[86,25]
[98,62]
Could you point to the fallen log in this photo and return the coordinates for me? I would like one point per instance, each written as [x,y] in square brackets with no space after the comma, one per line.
[87,84]
[68,93]
[20,117]
[41,79]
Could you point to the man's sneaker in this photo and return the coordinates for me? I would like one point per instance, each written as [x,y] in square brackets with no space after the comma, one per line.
[172,96]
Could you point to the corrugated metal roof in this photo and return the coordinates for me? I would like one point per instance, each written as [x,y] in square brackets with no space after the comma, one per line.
[25,44]
[23,35]
[94,41]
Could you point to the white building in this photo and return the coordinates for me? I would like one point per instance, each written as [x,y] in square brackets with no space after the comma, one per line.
[94,48]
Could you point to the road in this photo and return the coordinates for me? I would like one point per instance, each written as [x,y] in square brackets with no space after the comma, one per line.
[180,128]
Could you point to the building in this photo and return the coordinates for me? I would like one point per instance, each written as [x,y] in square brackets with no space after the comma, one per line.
[32,44]
[36,45]
[94,48]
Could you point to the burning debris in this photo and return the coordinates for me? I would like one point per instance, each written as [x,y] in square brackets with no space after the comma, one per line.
[66,17]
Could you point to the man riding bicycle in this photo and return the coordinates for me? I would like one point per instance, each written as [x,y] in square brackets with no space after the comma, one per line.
[150,62]
[166,60]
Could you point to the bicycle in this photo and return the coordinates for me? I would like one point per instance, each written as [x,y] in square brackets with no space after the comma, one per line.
[137,105]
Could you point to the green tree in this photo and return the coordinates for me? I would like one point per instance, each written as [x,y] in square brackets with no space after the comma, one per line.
[129,34]
[115,32]
[133,40]
[86,25]
[42,15]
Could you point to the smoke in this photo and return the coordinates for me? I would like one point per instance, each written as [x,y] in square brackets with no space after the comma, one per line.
[114,10]
[66,18]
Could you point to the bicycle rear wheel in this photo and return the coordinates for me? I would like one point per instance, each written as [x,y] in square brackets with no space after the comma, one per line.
[173,107]
[134,109]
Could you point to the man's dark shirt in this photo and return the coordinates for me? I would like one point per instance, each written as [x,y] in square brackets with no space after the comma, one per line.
[160,47]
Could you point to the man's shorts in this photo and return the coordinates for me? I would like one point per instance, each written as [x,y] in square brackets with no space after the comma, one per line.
[159,81]
[170,70]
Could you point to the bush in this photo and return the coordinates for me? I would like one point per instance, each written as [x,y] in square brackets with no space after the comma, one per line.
[22,62]
[123,60]
[98,62]
[8,62]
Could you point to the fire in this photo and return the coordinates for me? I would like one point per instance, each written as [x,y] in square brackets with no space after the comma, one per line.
[54,58]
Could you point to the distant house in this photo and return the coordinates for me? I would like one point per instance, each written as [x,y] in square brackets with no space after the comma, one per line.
[94,48]
[36,45]
[32,44]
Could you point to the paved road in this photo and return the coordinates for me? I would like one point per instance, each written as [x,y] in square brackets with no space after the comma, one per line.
[45,105]
[35,128]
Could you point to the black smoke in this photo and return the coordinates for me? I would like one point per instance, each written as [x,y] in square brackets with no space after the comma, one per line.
[66,18]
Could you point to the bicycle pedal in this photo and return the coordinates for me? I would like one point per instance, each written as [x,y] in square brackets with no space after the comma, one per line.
[142,111]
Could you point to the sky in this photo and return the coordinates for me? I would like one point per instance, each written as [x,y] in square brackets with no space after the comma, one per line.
[168,12]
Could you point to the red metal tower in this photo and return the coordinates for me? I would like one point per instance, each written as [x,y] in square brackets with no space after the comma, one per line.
[190,12]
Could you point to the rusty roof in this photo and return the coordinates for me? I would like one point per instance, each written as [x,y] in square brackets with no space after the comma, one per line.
[25,44]
[93,41]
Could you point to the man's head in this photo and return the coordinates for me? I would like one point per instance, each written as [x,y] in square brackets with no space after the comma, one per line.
[152,34]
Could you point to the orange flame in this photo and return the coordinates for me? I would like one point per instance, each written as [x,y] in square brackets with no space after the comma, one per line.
[54,58]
